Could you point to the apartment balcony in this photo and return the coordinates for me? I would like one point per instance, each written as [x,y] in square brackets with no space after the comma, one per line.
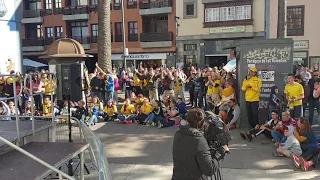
[33,44]
[133,37]
[32,16]
[76,13]
[57,11]
[47,12]
[156,40]
[118,38]
[83,40]
[132,5]
[148,7]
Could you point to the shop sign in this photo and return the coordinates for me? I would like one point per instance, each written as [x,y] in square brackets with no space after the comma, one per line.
[146,56]
[301,44]
[230,29]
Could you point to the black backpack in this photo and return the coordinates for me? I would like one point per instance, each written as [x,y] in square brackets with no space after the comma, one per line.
[216,134]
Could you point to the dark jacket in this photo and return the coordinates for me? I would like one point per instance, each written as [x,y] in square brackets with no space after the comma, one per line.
[191,156]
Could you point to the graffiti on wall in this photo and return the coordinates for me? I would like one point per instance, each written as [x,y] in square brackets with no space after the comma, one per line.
[268,55]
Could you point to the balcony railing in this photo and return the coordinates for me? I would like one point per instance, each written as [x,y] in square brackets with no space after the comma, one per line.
[133,37]
[132,5]
[94,39]
[145,4]
[116,6]
[75,10]
[32,13]
[93,8]
[47,12]
[32,42]
[48,40]
[155,37]
[118,38]
[82,39]
[57,11]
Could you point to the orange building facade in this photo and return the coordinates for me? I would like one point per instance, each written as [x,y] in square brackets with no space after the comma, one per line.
[150,29]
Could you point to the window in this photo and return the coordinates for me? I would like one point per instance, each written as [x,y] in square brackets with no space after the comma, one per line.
[94,2]
[78,2]
[133,27]
[117,1]
[58,4]
[243,12]
[118,31]
[212,15]
[79,29]
[190,47]
[94,29]
[131,1]
[39,31]
[33,4]
[190,10]
[295,21]
[48,4]
[58,31]
[49,32]
[227,13]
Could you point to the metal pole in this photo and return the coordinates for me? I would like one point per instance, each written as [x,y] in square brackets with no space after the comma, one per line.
[70,168]
[123,35]
[32,102]
[16,105]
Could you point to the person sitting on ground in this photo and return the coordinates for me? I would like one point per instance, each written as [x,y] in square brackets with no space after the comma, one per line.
[145,111]
[172,114]
[182,107]
[133,97]
[157,116]
[46,107]
[233,115]
[127,113]
[278,132]
[79,113]
[307,139]
[4,111]
[306,164]
[291,147]
[110,111]
[12,108]
[91,114]
[265,129]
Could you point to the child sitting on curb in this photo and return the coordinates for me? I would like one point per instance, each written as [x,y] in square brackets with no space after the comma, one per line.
[291,147]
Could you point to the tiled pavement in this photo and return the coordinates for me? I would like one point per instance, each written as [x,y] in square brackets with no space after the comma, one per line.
[145,153]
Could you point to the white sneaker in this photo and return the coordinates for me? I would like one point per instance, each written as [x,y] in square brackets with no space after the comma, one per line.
[116,120]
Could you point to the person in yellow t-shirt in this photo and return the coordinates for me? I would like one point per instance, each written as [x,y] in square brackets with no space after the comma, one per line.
[144,112]
[137,84]
[127,112]
[110,111]
[46,107]
[178,86]
[294,94]
[252,86]
[49,86]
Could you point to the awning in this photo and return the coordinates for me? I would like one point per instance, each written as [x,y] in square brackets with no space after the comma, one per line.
[28,62]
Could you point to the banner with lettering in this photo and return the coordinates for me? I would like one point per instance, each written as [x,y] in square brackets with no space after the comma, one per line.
[274,60]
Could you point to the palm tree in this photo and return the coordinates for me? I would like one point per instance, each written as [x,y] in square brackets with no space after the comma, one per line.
[282,19]
[104,35]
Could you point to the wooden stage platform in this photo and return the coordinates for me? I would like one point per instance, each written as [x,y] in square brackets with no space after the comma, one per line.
[8,129]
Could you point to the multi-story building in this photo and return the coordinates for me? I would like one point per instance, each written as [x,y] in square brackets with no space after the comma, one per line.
[302,27]
[205,28]
[149,27]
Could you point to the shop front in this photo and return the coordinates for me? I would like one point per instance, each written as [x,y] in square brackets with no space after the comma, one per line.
[148,60]
[301,52]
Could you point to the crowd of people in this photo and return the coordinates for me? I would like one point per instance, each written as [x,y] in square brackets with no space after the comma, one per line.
[288,127]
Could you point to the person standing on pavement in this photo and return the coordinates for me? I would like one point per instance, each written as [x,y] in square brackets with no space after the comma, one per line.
[313,101]
[306,94]
[251,86]
[294,94]
[192,158]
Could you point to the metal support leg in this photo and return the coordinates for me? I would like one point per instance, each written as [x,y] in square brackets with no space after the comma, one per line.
[81,166]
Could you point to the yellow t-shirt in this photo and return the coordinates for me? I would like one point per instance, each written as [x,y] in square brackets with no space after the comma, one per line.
[146,109]
[129,110]
[216,90]
[46,108]
[110,110]
[48,87]
[294,91]
[136,82]
[252,94]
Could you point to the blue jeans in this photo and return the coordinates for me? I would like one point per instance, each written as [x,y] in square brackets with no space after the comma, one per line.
[97,94]
[115,96]
[108,96]
[154,118]
[278,137]
[128,93]
[92,119]
[151,117]
[125,118]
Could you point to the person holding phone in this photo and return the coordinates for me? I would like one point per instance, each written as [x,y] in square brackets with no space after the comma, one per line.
[251,86]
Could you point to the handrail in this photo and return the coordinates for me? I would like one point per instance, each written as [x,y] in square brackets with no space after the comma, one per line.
[61,174]
[15,98]
[51,76]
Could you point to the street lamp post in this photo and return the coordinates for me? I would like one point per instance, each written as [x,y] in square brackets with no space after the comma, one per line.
[124,48]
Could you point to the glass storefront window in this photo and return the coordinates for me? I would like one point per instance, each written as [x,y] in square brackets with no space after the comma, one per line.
[300,58]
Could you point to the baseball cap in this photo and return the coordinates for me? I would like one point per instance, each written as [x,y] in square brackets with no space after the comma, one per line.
[254,69]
